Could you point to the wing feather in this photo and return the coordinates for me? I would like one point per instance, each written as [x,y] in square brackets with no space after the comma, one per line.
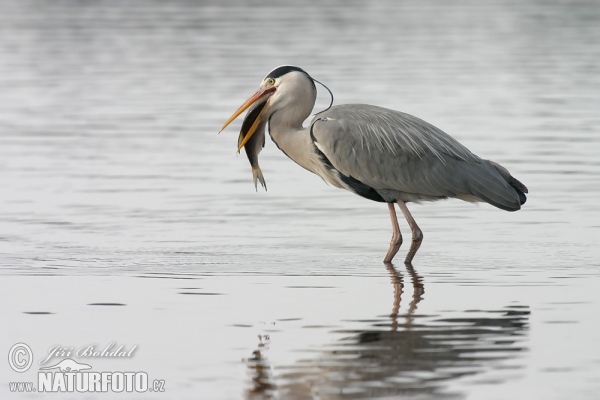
[393,130]
[393,151]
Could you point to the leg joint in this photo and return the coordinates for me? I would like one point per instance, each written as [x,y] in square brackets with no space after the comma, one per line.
[417,236]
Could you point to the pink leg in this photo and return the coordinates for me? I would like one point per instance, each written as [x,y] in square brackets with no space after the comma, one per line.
[417,235]
[396,235]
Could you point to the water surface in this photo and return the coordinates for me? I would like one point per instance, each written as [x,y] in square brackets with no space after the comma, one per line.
[125,218]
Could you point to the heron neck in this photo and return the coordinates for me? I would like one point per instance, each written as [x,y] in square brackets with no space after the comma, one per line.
[291,137]
[296,142]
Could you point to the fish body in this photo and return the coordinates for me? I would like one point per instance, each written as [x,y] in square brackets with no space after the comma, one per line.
[255,144]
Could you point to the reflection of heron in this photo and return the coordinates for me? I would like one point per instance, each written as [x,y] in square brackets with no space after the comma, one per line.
[380,154]
[416,357]
[398,284]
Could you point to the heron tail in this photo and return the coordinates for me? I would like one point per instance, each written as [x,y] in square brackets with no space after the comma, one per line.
[519,188]
[516,184]
[495,185]
[257,175]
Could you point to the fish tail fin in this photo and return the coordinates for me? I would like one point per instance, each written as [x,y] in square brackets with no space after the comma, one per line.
[257,175]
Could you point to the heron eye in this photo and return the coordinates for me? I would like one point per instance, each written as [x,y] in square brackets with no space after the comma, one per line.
[271,81]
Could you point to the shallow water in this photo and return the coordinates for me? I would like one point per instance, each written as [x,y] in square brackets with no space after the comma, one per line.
[124,217]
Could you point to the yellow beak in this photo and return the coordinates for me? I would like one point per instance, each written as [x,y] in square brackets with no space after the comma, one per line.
[253,99]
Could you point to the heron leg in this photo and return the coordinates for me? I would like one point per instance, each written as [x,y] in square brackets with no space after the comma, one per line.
[417,234]
[396,235]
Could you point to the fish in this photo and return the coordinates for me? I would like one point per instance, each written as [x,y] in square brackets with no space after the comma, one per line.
[256,142]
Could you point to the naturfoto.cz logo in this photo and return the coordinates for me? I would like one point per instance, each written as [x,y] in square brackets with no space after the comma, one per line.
[69,376]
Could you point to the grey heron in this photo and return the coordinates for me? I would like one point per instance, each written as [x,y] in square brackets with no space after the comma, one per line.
[380,154]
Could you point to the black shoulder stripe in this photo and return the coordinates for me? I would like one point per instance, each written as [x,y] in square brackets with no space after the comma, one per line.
[361,189]
[357,186]
[321,155]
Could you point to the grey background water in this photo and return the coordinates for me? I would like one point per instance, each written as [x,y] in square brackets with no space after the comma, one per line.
[111,172]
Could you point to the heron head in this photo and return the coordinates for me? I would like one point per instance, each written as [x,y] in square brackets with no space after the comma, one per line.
[284,86]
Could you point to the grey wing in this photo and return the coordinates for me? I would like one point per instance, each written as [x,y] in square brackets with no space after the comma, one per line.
[399,155]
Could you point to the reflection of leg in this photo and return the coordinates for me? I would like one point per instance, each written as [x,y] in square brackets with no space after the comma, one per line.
[398,284]
[417,235]
[418,288]
[396,235]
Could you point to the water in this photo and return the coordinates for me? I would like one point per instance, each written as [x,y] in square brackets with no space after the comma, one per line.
[125,219]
